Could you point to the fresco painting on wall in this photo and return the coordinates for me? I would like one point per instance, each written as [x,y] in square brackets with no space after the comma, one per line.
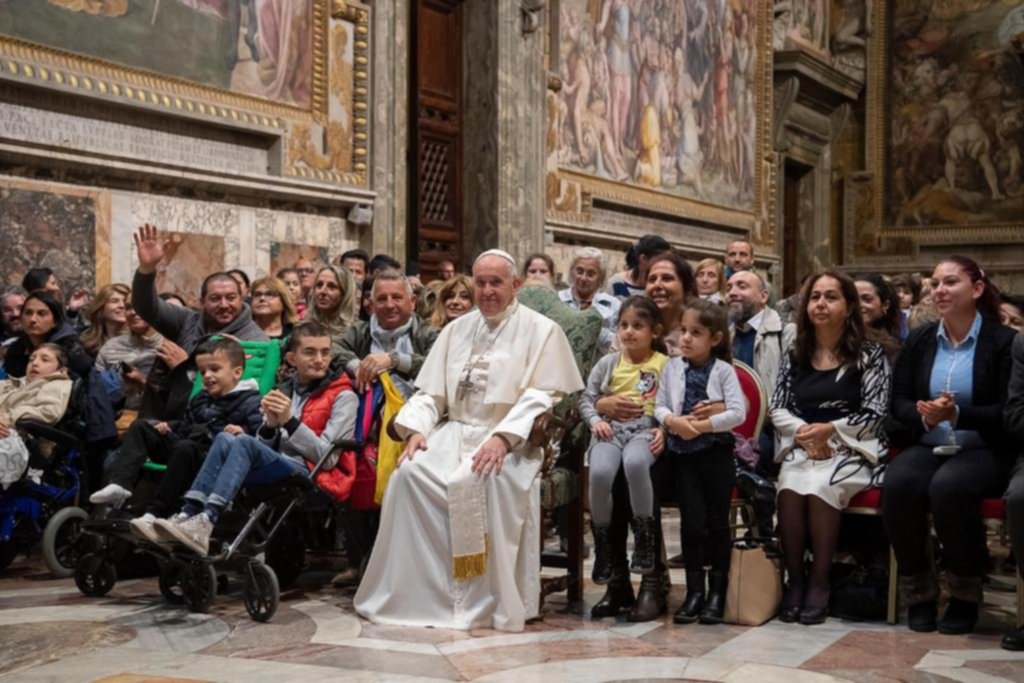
[285,254]
[262,48]
[188,259]
[661,94]
[48,229]
[956,111]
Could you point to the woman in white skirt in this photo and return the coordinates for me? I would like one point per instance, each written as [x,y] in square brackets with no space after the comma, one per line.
[832,393]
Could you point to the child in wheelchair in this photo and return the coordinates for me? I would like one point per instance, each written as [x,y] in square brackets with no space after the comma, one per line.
[306,423]
[42,395]
[226,405]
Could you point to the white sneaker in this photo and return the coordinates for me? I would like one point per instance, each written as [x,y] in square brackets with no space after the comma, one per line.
[193,532]
[111,494]
[142,528]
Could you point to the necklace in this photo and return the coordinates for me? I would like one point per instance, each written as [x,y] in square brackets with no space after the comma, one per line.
[465,384]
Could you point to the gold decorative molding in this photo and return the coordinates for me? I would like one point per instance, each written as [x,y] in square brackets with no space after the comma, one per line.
[346,143]
[62,71]
[138,86]
[877,163]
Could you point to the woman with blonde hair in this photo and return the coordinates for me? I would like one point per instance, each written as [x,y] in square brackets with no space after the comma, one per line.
[107,317]
[454,300]
[711,280]
[332,302]
[272,307]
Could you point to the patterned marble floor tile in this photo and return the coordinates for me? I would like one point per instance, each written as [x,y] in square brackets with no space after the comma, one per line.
[173,630]
[147,665]
[483,663]
[29,645]
[384,661]
[897,649]
[788,645]
[692,640]
[594,670]
[1010,671]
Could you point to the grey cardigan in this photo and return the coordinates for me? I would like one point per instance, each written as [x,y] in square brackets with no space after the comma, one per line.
[597,386]
[723,385]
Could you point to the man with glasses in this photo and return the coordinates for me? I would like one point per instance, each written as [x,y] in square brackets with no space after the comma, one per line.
[307,275]
[222,310]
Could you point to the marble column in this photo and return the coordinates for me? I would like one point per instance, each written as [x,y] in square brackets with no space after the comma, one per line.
[390,128]
[503,132]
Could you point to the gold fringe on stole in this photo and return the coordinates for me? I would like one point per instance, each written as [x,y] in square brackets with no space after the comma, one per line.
[471,566]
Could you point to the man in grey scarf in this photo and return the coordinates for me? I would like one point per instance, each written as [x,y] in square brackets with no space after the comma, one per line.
[394,339]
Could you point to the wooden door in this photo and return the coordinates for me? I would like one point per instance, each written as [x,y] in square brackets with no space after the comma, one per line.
[435,149]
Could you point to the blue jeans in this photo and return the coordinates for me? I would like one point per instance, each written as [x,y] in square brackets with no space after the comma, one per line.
[234,461]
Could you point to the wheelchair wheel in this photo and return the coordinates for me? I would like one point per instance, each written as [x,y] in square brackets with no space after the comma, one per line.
[286,554]
[199,586]
[170,584]
[95,575]
[262,592]
[64,542]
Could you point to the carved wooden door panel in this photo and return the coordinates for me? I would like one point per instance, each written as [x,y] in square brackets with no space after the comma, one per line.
[435,150]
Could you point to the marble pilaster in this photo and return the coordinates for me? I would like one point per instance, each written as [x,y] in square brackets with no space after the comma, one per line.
[505,86]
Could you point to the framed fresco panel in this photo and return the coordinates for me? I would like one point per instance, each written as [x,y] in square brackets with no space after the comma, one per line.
[295,69]
[664,104]
[945,126]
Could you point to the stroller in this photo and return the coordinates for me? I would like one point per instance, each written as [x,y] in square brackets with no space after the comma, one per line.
[243,540]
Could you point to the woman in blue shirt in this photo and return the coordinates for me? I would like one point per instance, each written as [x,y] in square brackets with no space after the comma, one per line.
[949,391]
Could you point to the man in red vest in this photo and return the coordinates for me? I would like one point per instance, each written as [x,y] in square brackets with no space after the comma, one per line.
[304,420]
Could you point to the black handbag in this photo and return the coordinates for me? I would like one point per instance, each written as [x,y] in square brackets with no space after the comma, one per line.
[858,592]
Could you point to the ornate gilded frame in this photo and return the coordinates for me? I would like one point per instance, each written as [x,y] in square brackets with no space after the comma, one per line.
[877,163]
[344,157]
[578,189]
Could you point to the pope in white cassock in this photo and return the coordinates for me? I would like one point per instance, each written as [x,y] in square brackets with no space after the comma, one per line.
[459,540]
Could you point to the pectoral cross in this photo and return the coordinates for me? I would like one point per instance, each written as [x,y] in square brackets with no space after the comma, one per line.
[465,385]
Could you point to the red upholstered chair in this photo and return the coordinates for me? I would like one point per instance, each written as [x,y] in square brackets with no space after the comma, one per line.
[757,401]
[757,409]
[869,502]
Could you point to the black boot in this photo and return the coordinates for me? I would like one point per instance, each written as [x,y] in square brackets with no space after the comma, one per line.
[643,545]
[714,606]
[962,611]
[652,600]
[602,572]
[694,602]
[618,596]
[960,617]
[920,593]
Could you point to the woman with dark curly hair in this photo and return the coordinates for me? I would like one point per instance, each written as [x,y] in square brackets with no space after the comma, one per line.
[831,396]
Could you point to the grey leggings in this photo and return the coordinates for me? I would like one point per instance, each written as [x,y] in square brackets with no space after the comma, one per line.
[630,448]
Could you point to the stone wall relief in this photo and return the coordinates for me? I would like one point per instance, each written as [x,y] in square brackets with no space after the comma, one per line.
[801,24]
[852,28]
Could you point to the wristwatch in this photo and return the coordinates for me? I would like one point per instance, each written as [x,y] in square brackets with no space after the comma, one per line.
[393,355]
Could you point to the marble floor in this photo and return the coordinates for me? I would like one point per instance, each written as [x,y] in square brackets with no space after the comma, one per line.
[50,632]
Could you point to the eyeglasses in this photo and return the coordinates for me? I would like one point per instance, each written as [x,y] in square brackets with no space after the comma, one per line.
[266,295]
[305,271]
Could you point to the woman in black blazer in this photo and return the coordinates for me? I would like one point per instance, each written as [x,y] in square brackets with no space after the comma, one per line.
[949,392]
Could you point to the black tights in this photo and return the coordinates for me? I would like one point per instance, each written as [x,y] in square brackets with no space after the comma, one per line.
[801,517]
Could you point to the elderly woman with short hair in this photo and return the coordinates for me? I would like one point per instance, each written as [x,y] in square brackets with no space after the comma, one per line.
[587,273]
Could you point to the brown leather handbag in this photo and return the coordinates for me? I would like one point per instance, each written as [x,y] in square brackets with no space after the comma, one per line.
[755,585]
